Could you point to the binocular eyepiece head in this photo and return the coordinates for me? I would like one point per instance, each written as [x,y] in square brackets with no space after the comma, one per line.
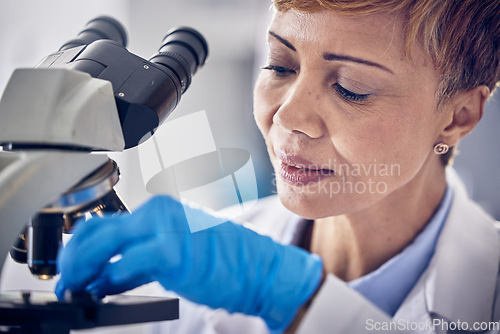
[146,91]
[182,51]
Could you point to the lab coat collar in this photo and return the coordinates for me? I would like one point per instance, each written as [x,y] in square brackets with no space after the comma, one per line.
[460,281]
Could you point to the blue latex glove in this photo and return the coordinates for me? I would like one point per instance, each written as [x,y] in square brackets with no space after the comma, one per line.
[227,266]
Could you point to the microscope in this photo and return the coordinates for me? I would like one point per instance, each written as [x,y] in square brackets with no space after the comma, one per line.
[57,121]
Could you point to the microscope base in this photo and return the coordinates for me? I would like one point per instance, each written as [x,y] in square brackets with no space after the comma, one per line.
[40,312]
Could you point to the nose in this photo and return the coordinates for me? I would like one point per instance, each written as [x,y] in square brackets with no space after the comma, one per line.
[299,112]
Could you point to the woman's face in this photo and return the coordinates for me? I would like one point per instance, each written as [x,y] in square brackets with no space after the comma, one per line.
[347,117]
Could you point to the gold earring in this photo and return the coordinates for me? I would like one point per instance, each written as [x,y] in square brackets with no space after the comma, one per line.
[441,148]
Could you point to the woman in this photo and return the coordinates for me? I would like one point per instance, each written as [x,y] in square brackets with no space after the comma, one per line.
[360,103]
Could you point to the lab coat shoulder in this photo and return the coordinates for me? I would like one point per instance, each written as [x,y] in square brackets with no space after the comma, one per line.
[460,287]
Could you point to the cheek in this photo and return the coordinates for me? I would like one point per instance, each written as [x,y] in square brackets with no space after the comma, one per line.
[391,133]
[265,105]
[390,149]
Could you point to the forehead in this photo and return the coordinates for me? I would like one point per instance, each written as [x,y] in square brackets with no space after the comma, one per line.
[379,37]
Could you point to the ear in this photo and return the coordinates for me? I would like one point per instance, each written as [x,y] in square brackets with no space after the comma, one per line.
[465,110]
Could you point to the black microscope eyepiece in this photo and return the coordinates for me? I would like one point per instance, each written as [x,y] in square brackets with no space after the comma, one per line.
[102,27]
[183,51]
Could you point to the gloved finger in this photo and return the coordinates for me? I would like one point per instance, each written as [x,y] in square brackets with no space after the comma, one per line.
[88,251]
[103,286]
[152,258]
[160,214]
[60,290]
[96,241]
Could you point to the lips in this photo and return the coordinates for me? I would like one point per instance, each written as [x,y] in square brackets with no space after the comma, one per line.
[300,172]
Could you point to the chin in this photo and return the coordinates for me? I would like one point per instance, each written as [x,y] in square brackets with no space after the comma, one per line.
[305,205]
[315,205]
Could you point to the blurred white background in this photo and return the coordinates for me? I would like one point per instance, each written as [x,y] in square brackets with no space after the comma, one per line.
[235,31]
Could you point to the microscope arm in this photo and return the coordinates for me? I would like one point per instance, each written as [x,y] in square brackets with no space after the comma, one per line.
[31,180]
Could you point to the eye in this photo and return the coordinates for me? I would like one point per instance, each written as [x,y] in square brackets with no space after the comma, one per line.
[279,71]
[348,95]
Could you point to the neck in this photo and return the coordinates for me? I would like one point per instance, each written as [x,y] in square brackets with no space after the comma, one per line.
[355,244]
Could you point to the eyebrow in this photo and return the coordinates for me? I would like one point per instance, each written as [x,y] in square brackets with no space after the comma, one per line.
[282,40]
[333,56]
[336,57]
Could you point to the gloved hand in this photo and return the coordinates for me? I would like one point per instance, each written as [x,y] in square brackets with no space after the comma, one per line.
[227,266]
